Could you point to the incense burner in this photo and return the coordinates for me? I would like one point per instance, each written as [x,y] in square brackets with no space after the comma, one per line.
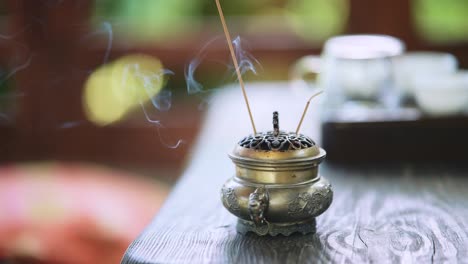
[277,188]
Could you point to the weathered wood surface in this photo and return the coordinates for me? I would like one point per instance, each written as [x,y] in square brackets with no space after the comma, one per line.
[381,214]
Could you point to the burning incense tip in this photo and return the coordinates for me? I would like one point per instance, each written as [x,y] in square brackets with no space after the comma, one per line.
[305,110]
[236,64]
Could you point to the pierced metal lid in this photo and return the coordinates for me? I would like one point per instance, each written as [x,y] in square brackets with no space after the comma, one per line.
[284,141]
[276,140]
[277,145]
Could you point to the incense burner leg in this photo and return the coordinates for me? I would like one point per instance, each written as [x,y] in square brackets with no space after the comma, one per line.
[274,229]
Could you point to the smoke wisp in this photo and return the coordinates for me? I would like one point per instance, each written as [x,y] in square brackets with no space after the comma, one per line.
[152,85]
[247,64]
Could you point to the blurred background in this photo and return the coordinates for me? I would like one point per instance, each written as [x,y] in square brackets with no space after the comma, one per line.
[51,137]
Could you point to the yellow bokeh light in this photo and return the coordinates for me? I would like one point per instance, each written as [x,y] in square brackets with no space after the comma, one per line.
[115,89]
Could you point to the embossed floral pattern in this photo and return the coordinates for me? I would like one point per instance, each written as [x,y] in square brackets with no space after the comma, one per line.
[307,204]
[230,199]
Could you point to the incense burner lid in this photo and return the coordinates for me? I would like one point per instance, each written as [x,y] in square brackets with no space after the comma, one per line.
[284,146]
[277,145]
[283,141]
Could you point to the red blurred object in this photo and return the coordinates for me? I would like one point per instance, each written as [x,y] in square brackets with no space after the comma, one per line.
[72,213]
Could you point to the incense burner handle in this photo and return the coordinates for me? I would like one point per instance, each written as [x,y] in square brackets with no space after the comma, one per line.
[305,66]
[258,205]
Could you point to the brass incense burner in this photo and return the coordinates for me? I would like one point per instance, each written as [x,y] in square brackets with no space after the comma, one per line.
[277,188]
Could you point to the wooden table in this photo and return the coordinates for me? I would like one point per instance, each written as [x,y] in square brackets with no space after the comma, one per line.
[399,213]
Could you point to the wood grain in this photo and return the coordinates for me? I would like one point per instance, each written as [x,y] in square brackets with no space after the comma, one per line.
[382,213]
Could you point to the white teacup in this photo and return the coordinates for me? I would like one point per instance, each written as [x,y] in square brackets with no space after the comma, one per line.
[445,94]
[352,67]
[418,65]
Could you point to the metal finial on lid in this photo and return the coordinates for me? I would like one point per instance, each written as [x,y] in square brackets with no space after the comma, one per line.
[276,130]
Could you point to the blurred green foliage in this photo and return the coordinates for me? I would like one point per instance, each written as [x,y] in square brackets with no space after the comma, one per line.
[160,20]
[442,21]
[318,19]
[149,19]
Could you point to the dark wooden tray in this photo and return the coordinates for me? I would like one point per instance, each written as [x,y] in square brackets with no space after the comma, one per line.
[413,139]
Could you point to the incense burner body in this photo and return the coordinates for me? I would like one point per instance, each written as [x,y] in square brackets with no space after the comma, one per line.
[277,188]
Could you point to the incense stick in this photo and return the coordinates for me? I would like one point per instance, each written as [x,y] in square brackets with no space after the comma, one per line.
[305,110]
[236,64]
